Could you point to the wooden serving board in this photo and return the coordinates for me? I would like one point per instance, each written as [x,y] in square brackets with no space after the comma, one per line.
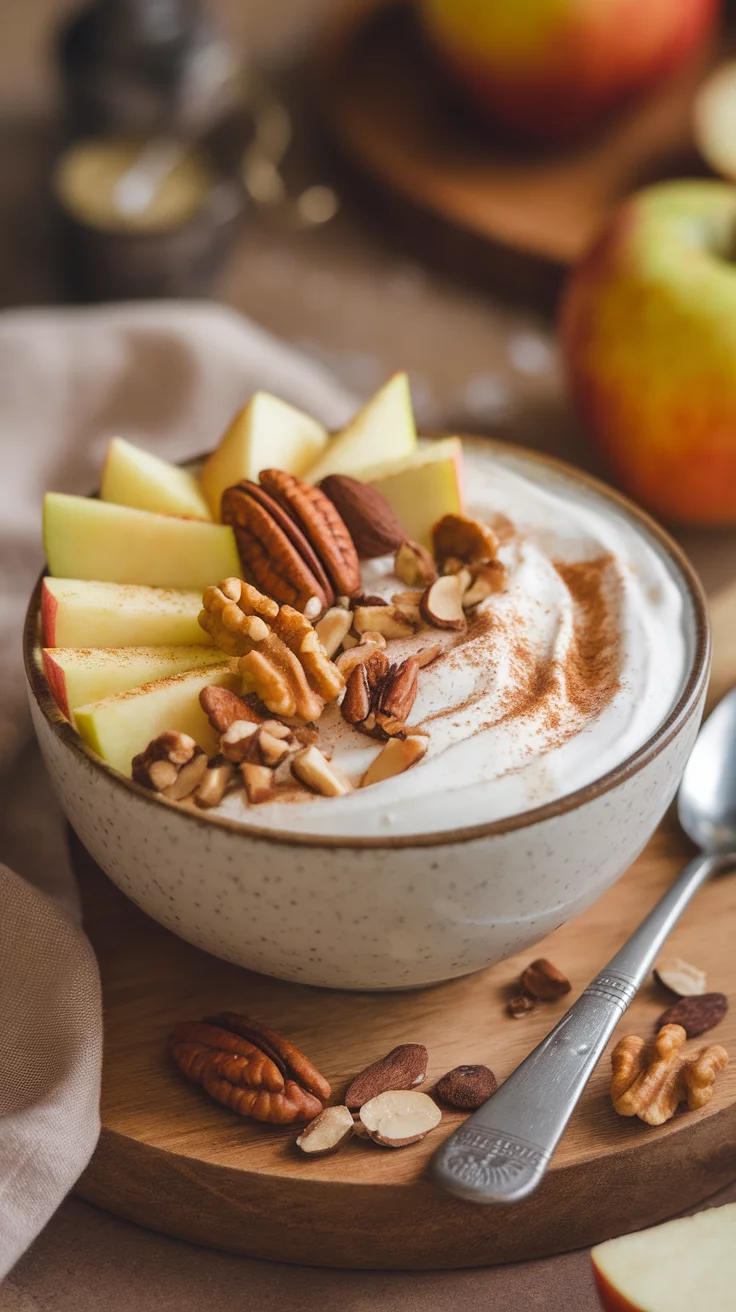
[516,221]
[171,1159]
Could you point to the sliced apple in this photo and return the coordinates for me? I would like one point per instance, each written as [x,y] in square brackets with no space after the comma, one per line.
[267,434]
[423,488]
[682,1265]
[78,675]
[383,430]
[86,613]
[89,539]
[133,477]
[120,727]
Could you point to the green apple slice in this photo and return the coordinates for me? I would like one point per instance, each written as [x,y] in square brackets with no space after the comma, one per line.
[78,675]
[132,477]
[423,488]
[120,727]
[383,430]
[89,539]
[267,434]
[87,613]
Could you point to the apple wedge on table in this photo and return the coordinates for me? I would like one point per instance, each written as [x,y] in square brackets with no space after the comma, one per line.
[90,539]
[121,726]
[87,613]
[78,675]
[685,1265]
[133,477]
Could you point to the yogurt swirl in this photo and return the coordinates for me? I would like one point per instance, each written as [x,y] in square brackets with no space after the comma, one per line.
[557,680]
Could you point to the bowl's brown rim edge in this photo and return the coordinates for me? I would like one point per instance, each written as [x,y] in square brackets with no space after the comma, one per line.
[669,729]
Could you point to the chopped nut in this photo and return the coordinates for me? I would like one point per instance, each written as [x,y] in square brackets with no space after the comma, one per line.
[370,642]
[223,707]
[520,1005]
[333,628]
[237,741]
[651,1080]
[396,697]
[306,734]
[392,621]
[310,767]
[216,780]
[349,641]
[696,1014]
[356,704]
[428,654]
[465,538]
[466,1087]
[680,977]
[188,778]
[544,981]
[160,765]
[486,578]
[258,782]
[367,599]
[398,755]
[408,599]
[396,1118]
[327,1133]
[273,750]
[402,1068]
[442,603]
[414,565]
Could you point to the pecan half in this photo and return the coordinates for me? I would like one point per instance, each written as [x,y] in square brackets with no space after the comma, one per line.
[240,1073]
[281,1050]
[371,522]
[651,1080]
[321,523]
[268,555]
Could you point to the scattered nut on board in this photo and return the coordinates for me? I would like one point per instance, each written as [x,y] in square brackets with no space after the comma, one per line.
[520,1005]
[397,1118]
[402,1068]
[327,1133]
[466,1087]
[544,981]
[680,977]
[696,1015]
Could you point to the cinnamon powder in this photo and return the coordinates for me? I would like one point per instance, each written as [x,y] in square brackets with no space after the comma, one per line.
[593,662]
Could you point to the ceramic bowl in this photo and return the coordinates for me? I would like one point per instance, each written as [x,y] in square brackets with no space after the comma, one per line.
[373,913]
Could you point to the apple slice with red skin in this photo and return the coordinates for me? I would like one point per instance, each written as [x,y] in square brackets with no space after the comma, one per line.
[681,1266]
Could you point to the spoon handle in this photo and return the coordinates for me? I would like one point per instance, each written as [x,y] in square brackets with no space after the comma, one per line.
[502,1151]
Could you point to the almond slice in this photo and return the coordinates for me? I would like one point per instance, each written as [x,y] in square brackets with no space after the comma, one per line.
[333,628]
[327,1132]
[310,767]
[395,1119]
[398,755]
[442,603]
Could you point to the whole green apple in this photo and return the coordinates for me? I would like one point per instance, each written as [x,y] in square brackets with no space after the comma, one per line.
[548,70]
[648,328]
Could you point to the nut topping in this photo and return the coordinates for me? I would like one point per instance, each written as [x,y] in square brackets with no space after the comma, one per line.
[218,777]
[236,742]
[680,977]
[390,620]
[466,539]
[414,565]
[442,603]
[258,781]
[172,764]
[370,642]
[310,767]
[371,522]
[397,695]
[651,1080]
[466,1087]
[486,578]
[223,707]
[395,1119]
[520,1005]
[333,628]
[404,1067]
[544,981]
[398,755]
[327,1133]
[268,553]
[696,1014]
[321,523]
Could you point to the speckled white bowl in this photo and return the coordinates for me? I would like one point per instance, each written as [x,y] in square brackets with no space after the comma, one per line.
[376,913]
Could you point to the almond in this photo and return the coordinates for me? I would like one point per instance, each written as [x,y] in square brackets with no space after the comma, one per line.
[396,1119]
[398,755]
[310,767]
[414,565]
[466,1087]
[442,603]
[402,1068]
[465,538]
[371,522]
[696,1014]
[487,578]
[544,981]
[236,743]
[327,1132]
[680,977]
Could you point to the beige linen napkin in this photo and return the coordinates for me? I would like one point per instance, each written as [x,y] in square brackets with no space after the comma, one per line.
[167,375]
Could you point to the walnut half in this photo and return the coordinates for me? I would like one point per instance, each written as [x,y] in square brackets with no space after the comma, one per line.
[651,1080]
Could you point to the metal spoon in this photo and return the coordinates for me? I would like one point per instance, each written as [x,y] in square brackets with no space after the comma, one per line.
[502,1151]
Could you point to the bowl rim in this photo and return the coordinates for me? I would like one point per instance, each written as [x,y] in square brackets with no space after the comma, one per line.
[680,713]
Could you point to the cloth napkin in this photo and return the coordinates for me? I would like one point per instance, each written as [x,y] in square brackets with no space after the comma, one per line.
[169,376]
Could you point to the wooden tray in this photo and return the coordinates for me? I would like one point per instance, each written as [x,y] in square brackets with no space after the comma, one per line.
[172,1160]
[516,222]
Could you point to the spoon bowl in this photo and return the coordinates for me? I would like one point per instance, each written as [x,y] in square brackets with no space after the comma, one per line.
[706,803]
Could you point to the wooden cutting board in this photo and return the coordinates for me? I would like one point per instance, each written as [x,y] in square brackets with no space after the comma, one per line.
[172,1160]
[456,193]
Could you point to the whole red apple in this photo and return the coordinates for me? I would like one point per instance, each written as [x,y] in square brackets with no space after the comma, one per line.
[648,327]
[550,69]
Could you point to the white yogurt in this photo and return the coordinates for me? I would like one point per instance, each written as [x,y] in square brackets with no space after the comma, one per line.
[491,752]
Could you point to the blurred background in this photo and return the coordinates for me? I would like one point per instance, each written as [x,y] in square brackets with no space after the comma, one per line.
[394,185]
